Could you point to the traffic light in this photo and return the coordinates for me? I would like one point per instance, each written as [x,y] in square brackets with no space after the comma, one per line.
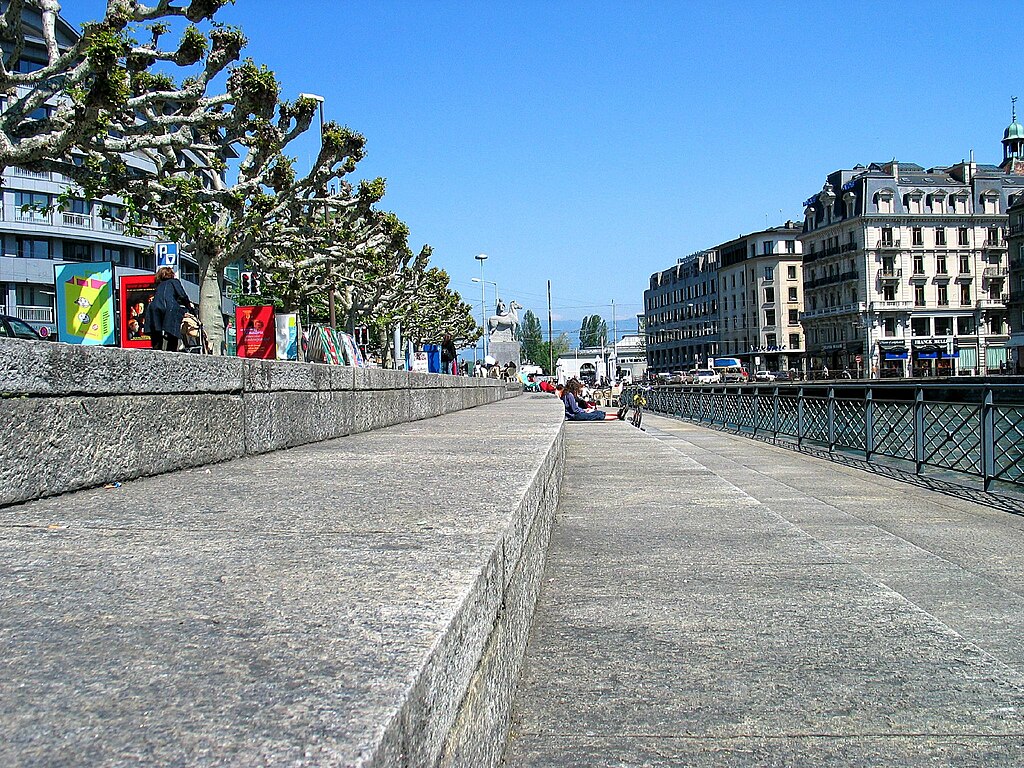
[246,280]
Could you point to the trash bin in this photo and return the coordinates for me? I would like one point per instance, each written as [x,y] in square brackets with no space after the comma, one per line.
[433,357]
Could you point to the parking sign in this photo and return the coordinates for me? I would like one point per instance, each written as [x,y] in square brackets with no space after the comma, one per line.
[166,255]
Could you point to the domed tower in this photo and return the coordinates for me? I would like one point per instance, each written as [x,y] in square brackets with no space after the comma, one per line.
[1013,143]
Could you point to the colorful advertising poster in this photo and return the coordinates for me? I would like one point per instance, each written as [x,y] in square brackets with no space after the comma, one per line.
[85,303]
[136,291]
[352,354]
[257,334]
[287,337]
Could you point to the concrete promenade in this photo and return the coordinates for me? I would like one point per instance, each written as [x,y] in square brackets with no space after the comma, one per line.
[710,600]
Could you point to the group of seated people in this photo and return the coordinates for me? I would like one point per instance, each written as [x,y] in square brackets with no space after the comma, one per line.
[577,406]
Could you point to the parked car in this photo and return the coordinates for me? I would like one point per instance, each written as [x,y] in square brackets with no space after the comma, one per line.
[704,376]
[765,376]
[16,328]
[783,376]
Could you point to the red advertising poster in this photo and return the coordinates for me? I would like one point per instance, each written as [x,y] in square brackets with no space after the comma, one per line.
[256,332]
[136,292]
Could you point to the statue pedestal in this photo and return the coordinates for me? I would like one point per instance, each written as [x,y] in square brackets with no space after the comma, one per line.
[505,352]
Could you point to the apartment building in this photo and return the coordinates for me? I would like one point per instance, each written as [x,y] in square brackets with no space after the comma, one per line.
[905,268]
[760,297]
[681,314]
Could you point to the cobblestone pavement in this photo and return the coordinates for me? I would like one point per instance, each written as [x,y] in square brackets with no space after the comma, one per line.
[710,600]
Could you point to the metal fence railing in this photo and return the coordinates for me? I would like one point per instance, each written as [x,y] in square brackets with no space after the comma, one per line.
[967,428]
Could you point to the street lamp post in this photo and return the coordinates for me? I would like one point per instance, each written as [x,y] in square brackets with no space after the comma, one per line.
[332,311]
[482,257]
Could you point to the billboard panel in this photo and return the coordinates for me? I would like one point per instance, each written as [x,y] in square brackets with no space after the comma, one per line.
[257,333]
[85,303]
[136,292]
[287,336]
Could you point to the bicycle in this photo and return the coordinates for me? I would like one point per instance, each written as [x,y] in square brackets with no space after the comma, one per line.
[639,402]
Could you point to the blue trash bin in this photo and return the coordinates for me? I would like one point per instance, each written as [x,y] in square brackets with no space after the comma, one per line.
[433,357]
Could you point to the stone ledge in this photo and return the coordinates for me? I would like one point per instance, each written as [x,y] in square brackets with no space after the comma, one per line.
[358,602]
[84,416]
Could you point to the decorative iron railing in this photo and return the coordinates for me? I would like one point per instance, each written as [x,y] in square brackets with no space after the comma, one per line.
[968,428]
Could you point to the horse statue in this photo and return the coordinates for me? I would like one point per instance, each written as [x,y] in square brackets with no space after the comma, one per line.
[506,321]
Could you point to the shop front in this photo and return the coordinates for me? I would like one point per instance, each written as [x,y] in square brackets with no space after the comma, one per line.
[893,359]
[934,358]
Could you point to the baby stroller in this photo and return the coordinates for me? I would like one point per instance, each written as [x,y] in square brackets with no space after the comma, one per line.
[193,336]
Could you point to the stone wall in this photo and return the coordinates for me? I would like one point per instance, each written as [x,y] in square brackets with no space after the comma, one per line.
[76,417]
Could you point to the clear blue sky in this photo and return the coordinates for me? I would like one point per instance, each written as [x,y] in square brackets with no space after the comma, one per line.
[594,143]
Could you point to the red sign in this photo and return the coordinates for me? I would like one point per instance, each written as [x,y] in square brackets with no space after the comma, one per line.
[136,292]
[256,333]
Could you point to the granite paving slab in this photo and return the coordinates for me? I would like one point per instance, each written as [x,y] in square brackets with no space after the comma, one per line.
[701,609]
[324,605]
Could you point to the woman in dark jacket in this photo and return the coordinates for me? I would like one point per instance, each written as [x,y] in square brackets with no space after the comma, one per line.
[166,311]
[448,353]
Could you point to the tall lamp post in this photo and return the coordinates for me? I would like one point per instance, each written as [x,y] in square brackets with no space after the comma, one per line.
[330,287]
[482,257]
[489,282]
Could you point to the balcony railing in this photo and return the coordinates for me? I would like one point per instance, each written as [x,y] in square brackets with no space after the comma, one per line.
[81,220]
[886,245]
[25,173]
[995,245]
[841,309]
[34,314]
[993,302]
[890,274]
[36,217]
[889,306]
[112,225]
[995,272]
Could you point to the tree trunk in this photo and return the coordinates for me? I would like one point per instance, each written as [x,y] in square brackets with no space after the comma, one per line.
[211,288]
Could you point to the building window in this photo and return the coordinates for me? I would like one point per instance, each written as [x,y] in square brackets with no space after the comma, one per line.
[917,236]
[965,326]
[918,264]
[77,205]
[31,206]
[965,295]
[940,235]
[189,271]
[965,264]
[943,326]
[889,327]
[791,246]
[888,293]
[963,236]
[921,326]
[791,272]
[769,318]
[31,248]
[767,247]
[769,274]
[794,317]
[75,251]
[887,236]
[943,296]
[792,293]
[769,295]
[794,341]
[771,340]
[940,264]
[918,295]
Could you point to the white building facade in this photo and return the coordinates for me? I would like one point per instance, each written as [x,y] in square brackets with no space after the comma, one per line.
[905,269]
[760,298]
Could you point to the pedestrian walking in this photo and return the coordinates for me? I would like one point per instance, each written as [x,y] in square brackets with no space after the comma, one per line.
[166,311]
[448,354]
